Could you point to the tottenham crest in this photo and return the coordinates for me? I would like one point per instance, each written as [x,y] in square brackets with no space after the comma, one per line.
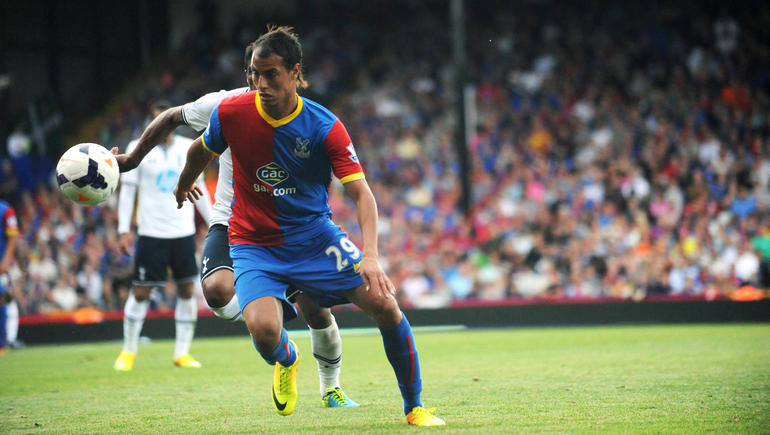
[301,148]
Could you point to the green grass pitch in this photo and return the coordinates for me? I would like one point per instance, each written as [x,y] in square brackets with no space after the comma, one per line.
[621,379]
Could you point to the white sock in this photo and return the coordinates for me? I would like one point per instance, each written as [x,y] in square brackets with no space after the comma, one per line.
[133,319]
[12,324]
[186,315]
[231,311]
[327,350]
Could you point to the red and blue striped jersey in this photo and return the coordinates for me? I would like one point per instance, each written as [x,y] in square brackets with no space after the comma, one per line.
[282,169]
[10,225]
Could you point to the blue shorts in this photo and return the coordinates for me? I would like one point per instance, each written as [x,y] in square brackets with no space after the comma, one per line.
[216,256]
[322,267]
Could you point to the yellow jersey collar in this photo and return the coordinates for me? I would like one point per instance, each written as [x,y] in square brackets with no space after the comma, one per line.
[277,122]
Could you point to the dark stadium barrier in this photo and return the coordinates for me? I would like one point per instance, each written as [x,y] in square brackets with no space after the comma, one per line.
[531,314]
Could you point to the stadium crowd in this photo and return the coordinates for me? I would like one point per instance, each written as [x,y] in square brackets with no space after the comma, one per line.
[620,152]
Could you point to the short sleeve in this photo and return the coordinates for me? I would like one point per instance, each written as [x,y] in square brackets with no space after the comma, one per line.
[342,155]
[196,114]
[10,222]
[212,138]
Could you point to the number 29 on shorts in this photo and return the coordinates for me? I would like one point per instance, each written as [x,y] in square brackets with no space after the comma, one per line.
[346,246]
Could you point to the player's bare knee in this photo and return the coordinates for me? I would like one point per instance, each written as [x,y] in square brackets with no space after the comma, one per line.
[385,312]
[215,293]
[318,319]
[141,294]
[185,290]
[218,288]
[315,316]
[264,318]
[265,334]
[140,297]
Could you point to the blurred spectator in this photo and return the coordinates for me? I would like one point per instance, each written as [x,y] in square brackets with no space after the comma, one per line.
[9,183]
[63,296]
[747,264]
[19,148]
[90,284]
[726,31]
[761,243]
[460,278]
[19,143]
[605,163]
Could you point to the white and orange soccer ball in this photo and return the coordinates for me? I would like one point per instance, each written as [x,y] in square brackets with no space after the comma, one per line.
[87,173]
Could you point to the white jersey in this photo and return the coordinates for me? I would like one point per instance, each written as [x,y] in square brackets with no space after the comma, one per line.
[156,177]
[196,115]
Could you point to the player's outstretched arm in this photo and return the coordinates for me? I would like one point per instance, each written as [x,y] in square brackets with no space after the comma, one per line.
[366,210]
[158,130]
[198,157]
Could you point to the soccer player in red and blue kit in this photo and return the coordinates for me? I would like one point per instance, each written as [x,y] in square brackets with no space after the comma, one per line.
[10,231]
[285,149]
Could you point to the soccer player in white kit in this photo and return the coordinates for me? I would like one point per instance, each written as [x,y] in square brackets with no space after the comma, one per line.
[166,241]
[217,266]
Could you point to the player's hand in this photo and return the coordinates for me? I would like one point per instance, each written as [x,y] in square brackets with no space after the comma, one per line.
[125,162]
[193,194]
[127,244]
[375,278]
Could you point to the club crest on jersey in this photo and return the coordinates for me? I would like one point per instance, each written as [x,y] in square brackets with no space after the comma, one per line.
[272,174]
[301,148]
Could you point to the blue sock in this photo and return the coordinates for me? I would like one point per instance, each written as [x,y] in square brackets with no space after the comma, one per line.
[402,354]
[284,353]
[3,320]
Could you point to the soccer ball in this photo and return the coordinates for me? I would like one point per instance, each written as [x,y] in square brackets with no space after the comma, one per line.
[87,173]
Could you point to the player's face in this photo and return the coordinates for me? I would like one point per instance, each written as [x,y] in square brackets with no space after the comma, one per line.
[276,85]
